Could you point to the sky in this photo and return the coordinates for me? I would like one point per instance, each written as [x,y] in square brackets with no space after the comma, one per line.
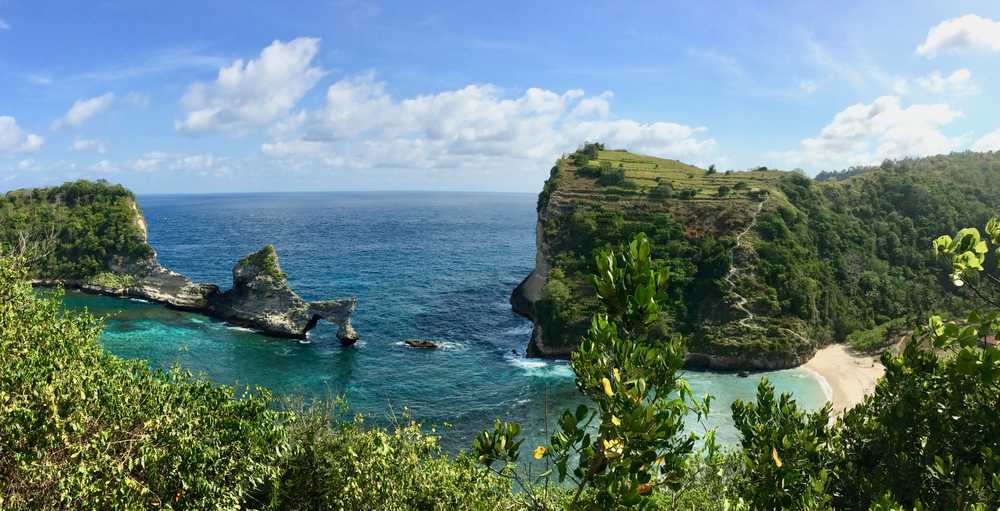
[236,96]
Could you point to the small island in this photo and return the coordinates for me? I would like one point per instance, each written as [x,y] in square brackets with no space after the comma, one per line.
[92,236]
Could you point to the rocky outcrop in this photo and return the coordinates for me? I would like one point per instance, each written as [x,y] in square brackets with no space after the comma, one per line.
[421,343]
[260,298]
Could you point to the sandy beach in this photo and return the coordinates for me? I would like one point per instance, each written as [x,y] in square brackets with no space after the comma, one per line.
[848,376]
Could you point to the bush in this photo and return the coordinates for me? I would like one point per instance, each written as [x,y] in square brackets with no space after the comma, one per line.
[80,426]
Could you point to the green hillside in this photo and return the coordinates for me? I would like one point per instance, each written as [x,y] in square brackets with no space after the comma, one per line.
[76,230]
[765,265]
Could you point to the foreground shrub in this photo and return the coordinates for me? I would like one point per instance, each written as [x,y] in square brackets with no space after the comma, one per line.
[338,463]
[83,429]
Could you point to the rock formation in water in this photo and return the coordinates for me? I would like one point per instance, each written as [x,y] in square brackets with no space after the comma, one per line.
[260,298]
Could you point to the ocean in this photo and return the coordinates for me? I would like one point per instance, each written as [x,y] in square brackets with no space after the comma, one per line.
[430,265]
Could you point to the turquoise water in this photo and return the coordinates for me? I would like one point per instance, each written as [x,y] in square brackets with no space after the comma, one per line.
[429,265]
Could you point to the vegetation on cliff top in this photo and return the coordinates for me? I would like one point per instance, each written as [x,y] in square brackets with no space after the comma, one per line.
[78,229]
[265,261]
[821,259]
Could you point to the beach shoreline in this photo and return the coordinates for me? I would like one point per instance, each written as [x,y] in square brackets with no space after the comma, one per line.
[846,376]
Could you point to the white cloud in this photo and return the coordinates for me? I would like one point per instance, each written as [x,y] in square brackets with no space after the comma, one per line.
[84,109]
[14,139]
[137,99]
[253,93]
[28,164]
[901,87]
[598,105]
[865,134]
[476,126]
[988,142]
[104,166]
[4,25]
[89,145]
[808,86]
[201,164]
[961,34]
[958,83]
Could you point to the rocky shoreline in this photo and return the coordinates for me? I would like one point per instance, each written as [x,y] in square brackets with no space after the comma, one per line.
[259,298]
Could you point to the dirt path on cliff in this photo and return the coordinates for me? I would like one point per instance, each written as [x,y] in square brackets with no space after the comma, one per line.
[742,301]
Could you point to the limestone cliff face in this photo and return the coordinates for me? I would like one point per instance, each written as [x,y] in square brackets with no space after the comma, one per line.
[529,291]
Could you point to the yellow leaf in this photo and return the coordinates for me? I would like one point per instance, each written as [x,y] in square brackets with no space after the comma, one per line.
[539,452]
[607,387]
[618,375]
[774,456]
[616,421]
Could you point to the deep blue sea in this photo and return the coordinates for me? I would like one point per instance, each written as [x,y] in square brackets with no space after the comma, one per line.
[427,265]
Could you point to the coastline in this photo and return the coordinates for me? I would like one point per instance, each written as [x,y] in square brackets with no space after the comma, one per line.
[846,377]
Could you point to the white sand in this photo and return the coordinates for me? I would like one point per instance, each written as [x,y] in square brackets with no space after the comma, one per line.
[847,376]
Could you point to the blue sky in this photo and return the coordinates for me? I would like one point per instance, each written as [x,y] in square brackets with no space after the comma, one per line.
[365,95]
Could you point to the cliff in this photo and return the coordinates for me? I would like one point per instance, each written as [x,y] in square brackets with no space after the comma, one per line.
[766,266]
[93,237]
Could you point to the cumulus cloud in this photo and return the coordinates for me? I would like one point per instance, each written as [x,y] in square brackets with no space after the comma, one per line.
[253,93]
[865,134]
[988,142]
[201,163]
[83,110]
[14,139]
[958,83]
[28,164]
[89,145]
[361,125]
[960,34]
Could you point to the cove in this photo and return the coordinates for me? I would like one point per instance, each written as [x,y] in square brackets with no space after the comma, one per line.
[423,265]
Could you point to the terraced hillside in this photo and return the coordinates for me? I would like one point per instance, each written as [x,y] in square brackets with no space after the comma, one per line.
[765,265]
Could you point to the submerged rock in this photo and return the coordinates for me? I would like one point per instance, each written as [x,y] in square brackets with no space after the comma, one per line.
[421,343]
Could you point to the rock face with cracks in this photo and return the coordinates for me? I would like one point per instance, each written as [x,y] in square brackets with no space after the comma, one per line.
[261,299]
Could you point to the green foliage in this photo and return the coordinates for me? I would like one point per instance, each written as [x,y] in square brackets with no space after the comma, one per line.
[547,188]
[90,226]
[266,261]
[338,463]
[634,441]
[879,337]
[927,438]
[112,280]
[79,426]
[663,190]
[785,451]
